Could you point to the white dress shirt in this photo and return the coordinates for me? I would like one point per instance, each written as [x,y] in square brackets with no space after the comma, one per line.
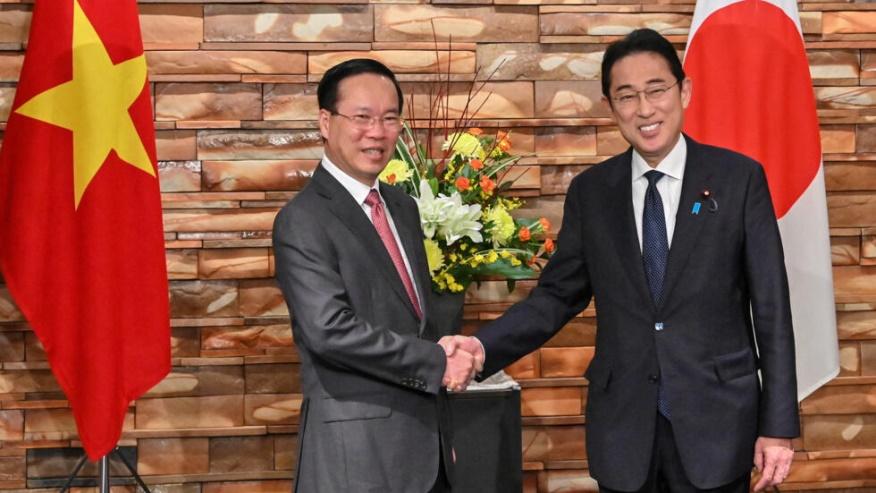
[360,192]
[669,186]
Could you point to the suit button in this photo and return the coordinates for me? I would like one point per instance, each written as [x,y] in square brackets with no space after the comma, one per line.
[653,378]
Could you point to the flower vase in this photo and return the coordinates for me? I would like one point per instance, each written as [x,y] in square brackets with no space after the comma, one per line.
[446,312]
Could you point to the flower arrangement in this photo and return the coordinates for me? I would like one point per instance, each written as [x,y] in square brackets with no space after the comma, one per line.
[469,231]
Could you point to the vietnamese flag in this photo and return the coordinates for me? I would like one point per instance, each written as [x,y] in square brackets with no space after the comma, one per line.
[81,238]
[752,93]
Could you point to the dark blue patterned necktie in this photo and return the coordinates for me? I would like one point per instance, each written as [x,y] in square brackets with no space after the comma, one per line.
[655,252]
[655,246]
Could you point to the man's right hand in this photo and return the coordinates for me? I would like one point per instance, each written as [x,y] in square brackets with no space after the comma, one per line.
[460,369]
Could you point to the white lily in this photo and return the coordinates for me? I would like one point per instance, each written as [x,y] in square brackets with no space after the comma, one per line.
[462,221]
[448,216]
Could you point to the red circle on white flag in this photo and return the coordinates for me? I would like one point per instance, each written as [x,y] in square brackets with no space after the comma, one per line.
[752,93]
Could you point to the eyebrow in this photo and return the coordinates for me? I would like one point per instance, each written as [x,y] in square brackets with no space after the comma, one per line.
[656,80]
[366,109]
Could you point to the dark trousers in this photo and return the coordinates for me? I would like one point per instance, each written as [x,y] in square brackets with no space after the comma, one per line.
[667,475]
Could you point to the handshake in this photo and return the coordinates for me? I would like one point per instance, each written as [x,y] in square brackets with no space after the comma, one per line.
[465,358]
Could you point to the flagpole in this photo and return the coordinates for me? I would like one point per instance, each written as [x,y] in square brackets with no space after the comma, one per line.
[103,474]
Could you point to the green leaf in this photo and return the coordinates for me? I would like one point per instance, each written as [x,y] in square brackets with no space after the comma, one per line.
[529,223]
[505,185]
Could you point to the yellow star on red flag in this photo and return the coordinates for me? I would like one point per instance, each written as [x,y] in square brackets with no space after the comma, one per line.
[94,106]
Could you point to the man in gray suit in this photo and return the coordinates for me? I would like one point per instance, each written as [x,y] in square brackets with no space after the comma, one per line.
[351,264]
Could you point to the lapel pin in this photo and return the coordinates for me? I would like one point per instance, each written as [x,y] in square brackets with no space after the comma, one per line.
[713,204]
[696,208]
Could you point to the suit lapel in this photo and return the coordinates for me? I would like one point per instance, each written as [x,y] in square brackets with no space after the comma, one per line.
[350,213]
[687,224]
[407,226]
[619,208]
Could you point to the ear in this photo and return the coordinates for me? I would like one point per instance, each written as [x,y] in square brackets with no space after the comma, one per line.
[325,120]
[686,92]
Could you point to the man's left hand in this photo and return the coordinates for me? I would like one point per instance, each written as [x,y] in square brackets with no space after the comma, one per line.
[772,457]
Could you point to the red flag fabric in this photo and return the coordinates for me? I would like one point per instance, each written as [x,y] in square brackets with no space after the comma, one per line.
[81,237]
[752,93]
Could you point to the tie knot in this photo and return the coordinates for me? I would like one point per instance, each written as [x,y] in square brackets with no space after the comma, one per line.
[373,198]
[653,177]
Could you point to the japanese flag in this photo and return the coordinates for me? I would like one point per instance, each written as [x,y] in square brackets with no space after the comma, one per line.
[752,93]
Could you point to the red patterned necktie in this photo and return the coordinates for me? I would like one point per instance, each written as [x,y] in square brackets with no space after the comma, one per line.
[381,224]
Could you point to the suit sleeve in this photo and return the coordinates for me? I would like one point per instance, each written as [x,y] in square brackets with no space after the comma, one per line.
[771,311]
[309,275]
[563,291]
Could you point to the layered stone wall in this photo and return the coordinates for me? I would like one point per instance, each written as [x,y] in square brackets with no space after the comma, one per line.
[234,92]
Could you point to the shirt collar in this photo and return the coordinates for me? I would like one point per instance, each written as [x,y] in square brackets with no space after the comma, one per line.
[357,189]
[672,165]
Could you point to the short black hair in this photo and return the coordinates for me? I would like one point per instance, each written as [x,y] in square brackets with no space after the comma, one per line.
[327,92]
[639,41]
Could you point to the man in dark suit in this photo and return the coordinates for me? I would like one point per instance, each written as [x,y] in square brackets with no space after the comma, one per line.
[351,264]
[678,243]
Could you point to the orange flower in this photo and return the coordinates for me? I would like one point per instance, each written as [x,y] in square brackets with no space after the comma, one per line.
[462,184]
[390,179]
[477,164]
[487,185]
[475,131]
[502,141]
[549,245]
[545,224]
[524,234]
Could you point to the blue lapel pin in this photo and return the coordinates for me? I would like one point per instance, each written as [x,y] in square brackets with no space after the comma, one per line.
[696,208]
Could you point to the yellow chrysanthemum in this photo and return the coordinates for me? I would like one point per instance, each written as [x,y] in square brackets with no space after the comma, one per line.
[434,255]
[395,171]
[447,281]
[465,144]
[502,227]
[510,204]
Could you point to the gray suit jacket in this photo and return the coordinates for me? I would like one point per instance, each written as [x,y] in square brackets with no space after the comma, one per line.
[725,314]
[374,417]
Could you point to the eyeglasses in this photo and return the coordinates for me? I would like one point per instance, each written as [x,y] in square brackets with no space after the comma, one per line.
[365,122]
[628,98]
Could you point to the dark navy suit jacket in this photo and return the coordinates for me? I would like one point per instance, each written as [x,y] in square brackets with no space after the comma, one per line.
[725,314]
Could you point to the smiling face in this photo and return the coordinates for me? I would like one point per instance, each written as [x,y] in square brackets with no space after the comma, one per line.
[361,152]
[651,127]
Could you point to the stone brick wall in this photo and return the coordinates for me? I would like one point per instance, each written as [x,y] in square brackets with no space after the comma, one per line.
[233,84]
